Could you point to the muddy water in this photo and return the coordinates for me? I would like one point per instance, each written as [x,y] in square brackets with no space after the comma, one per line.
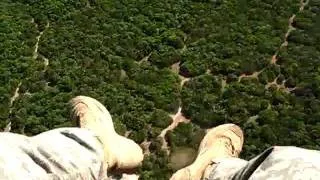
[181,157]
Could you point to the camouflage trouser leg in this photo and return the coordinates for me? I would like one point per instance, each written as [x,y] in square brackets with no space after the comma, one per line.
[65,153]
[275,163]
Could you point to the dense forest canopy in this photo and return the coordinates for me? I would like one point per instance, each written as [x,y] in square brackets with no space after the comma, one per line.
[255,63]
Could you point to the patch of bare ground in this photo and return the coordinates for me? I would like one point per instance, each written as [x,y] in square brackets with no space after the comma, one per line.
[279,86]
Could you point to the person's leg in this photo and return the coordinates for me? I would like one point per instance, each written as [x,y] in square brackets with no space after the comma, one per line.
[282,162]
[278,162]
[70,153]
[121,152]
[224,141]
[67,153]
[217,160]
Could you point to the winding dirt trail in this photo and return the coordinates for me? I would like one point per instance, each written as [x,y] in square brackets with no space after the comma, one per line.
[176,119]
[35,55]
[279,86]
[176,69]
[179,118]
[252,119]
[223,85]
[254,75]
[145,146]
[12,100]
[46,64]
[285,43]
[127,133]
[35,52]
[8,127]
[274,58]
[15,95]
[145,59]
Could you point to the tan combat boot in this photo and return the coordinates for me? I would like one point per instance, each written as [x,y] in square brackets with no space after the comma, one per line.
[120,153]
[220,142]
